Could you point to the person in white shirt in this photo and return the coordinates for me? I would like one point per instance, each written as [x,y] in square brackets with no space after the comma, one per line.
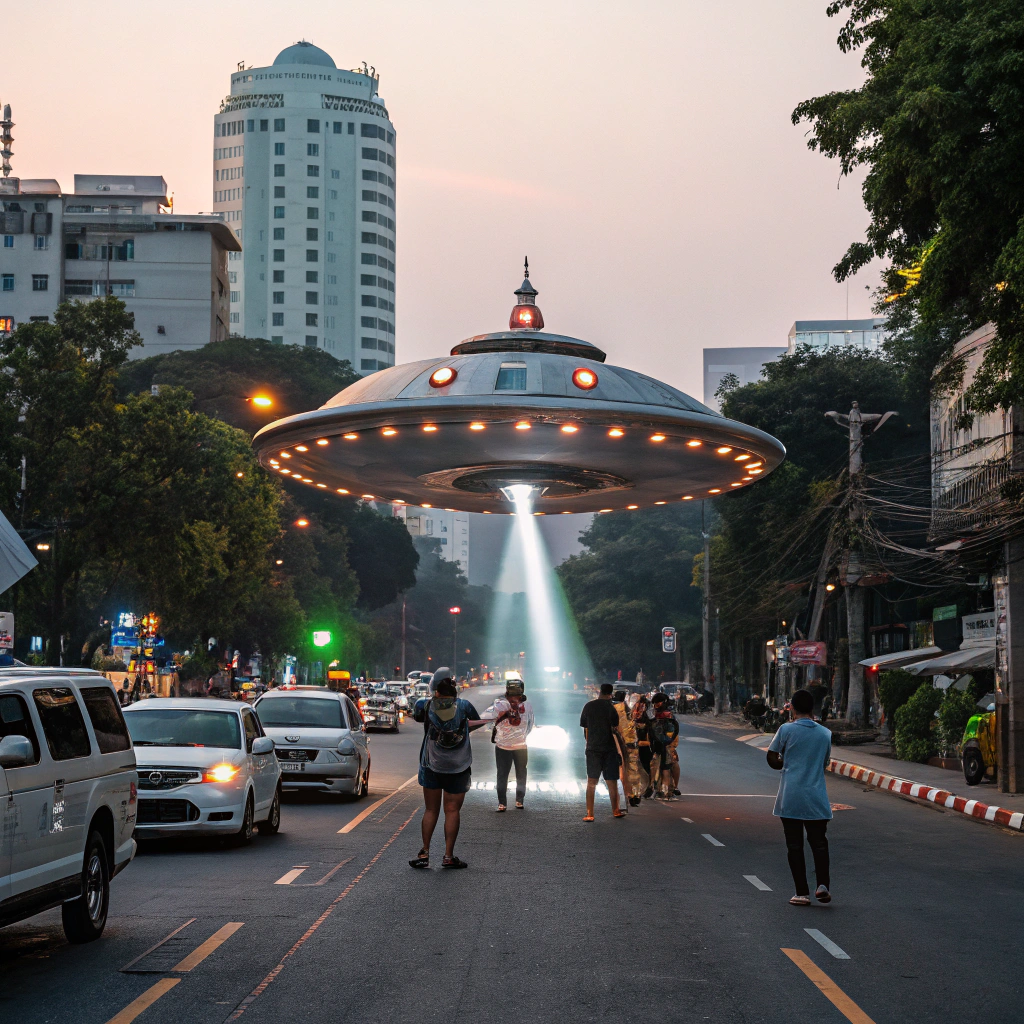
[513,722]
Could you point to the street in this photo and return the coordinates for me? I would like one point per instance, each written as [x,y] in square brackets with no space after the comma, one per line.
[678,911]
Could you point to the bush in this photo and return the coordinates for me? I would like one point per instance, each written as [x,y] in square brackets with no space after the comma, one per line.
[915,737]
[109,665]
[957,707]
[895,688]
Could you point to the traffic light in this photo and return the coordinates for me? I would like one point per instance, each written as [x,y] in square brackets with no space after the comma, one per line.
[321,637]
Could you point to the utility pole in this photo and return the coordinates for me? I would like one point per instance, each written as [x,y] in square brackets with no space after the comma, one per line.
[403,637]
[856,422]
[705,598]
[721,693]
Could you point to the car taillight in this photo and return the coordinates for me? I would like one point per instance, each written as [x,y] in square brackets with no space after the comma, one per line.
[220,773]
[133,794]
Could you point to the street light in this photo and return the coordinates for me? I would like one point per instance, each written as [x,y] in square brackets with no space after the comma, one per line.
[261,401]
[455,611]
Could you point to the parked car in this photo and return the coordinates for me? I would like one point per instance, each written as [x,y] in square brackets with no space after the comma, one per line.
[68,781]
[206,767]
[321,740]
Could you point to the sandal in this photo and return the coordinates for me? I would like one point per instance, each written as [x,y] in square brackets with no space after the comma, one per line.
[422,860]
[588,817]
[453,863]
[519,806]
[801,901]
[501,807]
[619,814]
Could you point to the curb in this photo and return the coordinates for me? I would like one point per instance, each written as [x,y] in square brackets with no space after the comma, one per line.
[919,791]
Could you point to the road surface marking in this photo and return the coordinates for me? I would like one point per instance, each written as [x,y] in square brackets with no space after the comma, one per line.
[757,883]
[765,796]
[827,943]
[201,952]
[697,739]
[748,736]
[712,840]
[337,867]
[289,876]
[828,988]
[144,1002]
[265,983]
[689,821]
[369,810]
[151,949]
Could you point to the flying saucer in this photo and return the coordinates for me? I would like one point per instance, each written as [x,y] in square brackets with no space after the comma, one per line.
[520,407]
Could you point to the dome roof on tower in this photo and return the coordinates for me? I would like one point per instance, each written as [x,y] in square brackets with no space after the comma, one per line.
[304,53]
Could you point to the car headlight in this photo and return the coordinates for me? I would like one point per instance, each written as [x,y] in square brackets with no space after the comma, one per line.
[346,747]
[220,773]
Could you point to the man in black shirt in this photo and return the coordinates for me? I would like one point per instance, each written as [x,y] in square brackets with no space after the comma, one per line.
[600,723]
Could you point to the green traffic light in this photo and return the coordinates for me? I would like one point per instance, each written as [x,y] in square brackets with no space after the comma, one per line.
[321,637]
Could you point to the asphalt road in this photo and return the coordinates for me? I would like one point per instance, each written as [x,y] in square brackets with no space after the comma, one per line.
[647,918]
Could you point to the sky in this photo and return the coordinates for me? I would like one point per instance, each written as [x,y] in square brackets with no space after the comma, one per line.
[641,154]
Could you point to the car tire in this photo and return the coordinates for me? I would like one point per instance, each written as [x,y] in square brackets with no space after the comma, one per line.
[974,766]
[272,825]
[85,918]
[364,784]
[244,835]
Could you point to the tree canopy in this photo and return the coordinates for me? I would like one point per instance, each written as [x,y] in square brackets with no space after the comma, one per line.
[939,126]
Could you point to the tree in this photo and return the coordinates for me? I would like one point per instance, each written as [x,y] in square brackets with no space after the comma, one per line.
[633,579]
[939,126]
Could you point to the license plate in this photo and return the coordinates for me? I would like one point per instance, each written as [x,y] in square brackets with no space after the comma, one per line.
[286,767]
[386,719]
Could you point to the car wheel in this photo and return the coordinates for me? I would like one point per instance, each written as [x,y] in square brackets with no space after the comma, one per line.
[364,784]
[271,826]
[85,918]
[244,834]
[974,766]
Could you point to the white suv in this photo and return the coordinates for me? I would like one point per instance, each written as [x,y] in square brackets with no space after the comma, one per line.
[69,788]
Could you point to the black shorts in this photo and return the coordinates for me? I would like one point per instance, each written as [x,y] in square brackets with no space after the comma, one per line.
[449,782]
[603,763]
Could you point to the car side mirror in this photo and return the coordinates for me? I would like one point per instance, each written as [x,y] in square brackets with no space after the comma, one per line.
[263,745]
[16,751]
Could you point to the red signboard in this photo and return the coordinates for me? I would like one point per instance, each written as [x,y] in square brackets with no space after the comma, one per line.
[808,652]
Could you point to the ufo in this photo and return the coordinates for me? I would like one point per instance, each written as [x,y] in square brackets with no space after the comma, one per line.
[518,412]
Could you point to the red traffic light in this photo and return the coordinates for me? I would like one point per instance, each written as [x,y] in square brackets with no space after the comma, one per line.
[455,610]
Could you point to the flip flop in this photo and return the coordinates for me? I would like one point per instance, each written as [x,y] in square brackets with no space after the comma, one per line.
[501,808]
[454,863]
[519,807]
[619,814]
[588,817]
[421,860]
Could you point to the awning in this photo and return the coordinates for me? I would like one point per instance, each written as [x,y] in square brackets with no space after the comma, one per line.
[900,658]
[956,662]
[15,557]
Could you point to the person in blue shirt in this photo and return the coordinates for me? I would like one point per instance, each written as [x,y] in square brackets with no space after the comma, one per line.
[801,750]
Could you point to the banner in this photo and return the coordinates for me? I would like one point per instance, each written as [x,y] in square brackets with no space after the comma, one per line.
[808,652]
[6,631]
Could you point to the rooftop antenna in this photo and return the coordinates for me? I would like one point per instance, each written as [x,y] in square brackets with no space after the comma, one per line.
[6,139]
[526,266]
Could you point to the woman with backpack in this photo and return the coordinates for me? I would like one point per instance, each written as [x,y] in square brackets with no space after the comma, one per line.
[513,722]
[446,759]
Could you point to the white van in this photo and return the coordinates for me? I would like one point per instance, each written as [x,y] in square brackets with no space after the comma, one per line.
[70,792]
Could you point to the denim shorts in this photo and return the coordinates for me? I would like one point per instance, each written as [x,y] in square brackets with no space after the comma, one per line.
[450,782]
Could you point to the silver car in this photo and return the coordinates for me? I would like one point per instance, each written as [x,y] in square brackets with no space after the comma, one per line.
[206,767]
[320,737]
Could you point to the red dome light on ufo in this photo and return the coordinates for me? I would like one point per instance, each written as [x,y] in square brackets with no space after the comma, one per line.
[584,379]
[443,377]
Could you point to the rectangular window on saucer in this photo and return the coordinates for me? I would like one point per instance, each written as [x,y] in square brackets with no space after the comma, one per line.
[511,377]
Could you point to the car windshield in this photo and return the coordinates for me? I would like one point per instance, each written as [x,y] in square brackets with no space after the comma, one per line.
[180,727]
[311,712]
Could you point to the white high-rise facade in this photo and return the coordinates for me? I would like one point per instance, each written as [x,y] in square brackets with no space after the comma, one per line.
[304,171]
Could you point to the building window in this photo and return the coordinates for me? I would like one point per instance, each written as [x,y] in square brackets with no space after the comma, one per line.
[312,191]
[332,278]
[337,127]
[312,149]
[234,297]
[276,339]
[368,321]
[312,171]
[42,242]
[264,125]
[277,319]
[369,216]
[279,255]
[233,276]
[312,255]
[251,126]
[278,124]
[279,191]
[368,258]
[8,282]
[369,343]
[8,241]
[311,320]
[312,234]
[278,298]
[368,279]
[278,170]
[278,213]
[310,341]
[369,154]
[368,364]
[369,300]
[333,193]
[313,126]
[351,127]
[312,277]
[369,176]
[278,149]
[369,238]
[278,277]
[331,257]
[312,299]
[236,318]
[40,282]
[312,213]
[335,174]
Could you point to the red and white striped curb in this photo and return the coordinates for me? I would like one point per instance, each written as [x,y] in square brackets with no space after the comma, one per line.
[972,808]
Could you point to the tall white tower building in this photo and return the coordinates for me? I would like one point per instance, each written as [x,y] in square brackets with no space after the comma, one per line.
[304,171]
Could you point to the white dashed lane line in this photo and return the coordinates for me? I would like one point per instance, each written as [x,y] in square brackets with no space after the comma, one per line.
[689,821]
[712,840]
[826,943]
[289,876]
[757,883]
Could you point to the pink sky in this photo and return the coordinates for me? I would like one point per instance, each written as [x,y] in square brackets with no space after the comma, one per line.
[640,153]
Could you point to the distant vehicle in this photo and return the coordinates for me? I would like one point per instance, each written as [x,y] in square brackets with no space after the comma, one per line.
[381,711]
[320,738]
[684,696]
[207,767]
[629,687]
[69,788]
[400,692]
